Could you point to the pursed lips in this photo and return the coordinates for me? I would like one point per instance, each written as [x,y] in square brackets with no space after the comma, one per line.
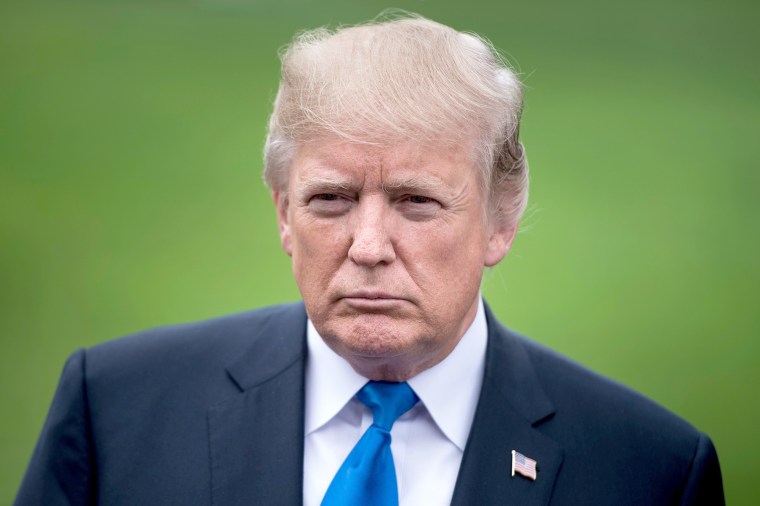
[370,294]
[372,299]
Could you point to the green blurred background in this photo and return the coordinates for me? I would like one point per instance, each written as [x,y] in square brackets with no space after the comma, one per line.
[131,196]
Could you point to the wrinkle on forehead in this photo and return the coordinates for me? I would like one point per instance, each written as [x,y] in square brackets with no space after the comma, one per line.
[413,181]
[324,183]
[339,165]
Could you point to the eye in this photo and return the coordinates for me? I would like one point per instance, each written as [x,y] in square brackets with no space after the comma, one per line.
[419,199]
[419,207]
[329,204]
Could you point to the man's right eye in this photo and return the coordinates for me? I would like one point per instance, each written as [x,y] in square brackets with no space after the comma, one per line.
[329,204]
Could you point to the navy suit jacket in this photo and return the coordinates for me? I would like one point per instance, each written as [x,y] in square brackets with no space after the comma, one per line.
[212,413]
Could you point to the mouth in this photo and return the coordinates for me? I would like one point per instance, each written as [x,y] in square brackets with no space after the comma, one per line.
[373,300]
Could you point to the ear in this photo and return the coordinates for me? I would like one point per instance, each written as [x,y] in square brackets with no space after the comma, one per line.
[499,243]
[282,202]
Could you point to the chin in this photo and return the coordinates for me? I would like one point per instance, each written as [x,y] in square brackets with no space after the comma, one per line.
[375,336]
[383,348]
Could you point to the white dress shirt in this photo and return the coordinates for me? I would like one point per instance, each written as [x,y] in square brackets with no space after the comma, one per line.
[427,442]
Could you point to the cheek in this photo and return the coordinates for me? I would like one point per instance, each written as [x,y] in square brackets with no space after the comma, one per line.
[318,249]
[308,234]
[445,240]
[443,255]
[461,255]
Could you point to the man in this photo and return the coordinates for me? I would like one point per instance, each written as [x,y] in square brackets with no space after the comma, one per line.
[397,174]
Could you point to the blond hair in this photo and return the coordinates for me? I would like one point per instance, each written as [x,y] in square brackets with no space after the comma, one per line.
[402,79]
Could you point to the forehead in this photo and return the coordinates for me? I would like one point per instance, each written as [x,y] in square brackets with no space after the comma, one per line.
[385,164]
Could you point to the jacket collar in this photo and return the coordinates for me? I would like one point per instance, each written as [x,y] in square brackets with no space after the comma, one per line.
[256,437]
[511,408]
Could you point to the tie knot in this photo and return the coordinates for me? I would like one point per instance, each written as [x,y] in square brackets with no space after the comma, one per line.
[388,401]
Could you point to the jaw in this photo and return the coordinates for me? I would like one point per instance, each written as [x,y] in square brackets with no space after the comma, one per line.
[394,369]
[383,348]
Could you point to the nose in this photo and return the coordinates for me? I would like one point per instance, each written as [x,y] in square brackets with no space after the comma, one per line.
[371,244]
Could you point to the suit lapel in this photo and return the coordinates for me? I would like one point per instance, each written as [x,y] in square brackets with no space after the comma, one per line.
[512,405]
[256,437]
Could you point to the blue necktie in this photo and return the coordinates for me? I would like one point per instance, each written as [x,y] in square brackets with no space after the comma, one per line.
[368,476]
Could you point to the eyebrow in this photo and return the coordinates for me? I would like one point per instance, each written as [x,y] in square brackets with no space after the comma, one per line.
[323,184]
[414,183]
[410,183]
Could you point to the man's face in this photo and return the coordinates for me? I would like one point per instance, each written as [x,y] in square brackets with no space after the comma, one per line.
[388,248]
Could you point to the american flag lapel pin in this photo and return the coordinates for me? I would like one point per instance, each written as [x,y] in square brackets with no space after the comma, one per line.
[524,465]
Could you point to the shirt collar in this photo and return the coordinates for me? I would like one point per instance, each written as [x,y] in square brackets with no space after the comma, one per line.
[330,382]
[449,390]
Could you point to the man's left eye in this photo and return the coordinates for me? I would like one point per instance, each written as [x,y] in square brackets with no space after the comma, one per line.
[419,199]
